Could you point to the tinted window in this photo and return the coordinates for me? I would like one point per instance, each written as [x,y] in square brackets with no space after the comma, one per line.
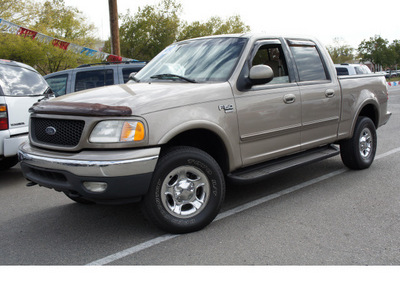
[342,71]
[92,79]
[58,84]
[17,81]
[127,71]
[309,64]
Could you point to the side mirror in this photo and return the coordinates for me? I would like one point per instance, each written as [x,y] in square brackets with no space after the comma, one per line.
[261,74]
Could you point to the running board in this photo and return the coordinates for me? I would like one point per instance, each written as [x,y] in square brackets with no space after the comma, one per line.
[259,172]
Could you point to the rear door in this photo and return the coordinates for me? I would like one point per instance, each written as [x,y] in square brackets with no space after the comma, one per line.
[320,95]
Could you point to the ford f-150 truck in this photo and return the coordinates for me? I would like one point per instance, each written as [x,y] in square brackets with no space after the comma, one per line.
[236,107]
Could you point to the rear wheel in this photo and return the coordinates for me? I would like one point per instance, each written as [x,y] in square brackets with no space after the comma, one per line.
[186,192]
[359,152]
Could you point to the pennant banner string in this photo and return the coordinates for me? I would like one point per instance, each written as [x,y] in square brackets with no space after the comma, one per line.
[11,28]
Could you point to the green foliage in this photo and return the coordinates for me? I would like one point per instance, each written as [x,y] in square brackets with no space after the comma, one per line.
[395,51]
[17,11]
[52,18]
[154,27]
[150,30]
[376,51]
[65,23]
[340,52]
[213,26]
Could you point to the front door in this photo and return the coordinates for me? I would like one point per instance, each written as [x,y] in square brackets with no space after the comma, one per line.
[269,115]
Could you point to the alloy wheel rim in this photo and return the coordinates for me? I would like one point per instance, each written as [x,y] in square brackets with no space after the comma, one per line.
[185,192]
[365,143]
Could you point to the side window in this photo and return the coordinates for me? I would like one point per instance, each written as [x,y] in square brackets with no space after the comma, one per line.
[58,84]
[127,71]
[272,55]
[91,79]
[309,63]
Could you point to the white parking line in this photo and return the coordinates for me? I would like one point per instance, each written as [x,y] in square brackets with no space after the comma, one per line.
[228,213]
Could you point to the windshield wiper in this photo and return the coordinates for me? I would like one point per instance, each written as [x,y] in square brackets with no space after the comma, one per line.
[170,76]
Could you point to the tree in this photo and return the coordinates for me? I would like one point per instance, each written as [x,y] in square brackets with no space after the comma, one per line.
[17,11]
[155,27]
[395,52]
[376,51]
[150,30]
[340,52]
[54,19]
[214,26]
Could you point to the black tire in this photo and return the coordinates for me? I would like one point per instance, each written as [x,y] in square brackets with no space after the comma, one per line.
[79,200]
[8,162]
[186,192]
[359,152]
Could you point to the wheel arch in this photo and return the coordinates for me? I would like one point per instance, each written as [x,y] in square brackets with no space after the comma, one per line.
[205,136]
[370,109]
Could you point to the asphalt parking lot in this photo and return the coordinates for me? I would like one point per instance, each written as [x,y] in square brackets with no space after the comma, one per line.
[319,215]
[322,214]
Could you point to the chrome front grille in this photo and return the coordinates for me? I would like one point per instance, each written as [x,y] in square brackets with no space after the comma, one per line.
[57,132]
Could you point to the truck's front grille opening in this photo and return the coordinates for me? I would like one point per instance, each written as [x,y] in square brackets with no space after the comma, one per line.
[57,132]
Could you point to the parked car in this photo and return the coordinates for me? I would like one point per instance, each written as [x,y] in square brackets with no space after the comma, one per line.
[20,87]
[351,69]
[392,73]
[239,107]
[91,76]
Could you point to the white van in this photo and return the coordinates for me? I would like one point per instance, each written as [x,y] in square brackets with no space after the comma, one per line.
[20,87]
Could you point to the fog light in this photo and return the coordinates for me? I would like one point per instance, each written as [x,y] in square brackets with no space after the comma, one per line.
[95,187]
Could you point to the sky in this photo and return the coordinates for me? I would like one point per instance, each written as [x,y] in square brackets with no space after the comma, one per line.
[352,21]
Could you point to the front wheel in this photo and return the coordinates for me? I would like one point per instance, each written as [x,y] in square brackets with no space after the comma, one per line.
[186,192]
[359,152]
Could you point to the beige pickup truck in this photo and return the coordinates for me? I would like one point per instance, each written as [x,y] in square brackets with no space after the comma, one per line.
[206,110]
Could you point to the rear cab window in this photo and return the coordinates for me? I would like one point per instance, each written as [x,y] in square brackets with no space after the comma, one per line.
[342,71]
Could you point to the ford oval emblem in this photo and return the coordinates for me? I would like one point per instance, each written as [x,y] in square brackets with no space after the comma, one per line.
[50,130]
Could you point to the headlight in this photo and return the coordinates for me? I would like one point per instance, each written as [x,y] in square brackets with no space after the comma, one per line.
[117,131]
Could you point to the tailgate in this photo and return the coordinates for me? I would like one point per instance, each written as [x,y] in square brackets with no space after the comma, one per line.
[18,114]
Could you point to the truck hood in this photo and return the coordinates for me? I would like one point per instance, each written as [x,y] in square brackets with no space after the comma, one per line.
[144,98]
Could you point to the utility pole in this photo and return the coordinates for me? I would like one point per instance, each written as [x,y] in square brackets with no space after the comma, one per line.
[114,28]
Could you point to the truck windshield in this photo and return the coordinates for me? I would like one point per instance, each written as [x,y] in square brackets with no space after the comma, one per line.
[201,60]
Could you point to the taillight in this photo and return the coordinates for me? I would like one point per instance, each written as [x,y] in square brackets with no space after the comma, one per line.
[3,117]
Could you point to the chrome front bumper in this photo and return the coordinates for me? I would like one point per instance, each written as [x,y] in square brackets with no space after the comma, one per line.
[113,163]
[125,174]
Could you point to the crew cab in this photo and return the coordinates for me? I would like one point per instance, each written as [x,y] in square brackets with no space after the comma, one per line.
[20,87]
[234,107]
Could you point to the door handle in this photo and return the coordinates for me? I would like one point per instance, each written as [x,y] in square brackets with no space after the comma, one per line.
[289,98]
[330,93]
